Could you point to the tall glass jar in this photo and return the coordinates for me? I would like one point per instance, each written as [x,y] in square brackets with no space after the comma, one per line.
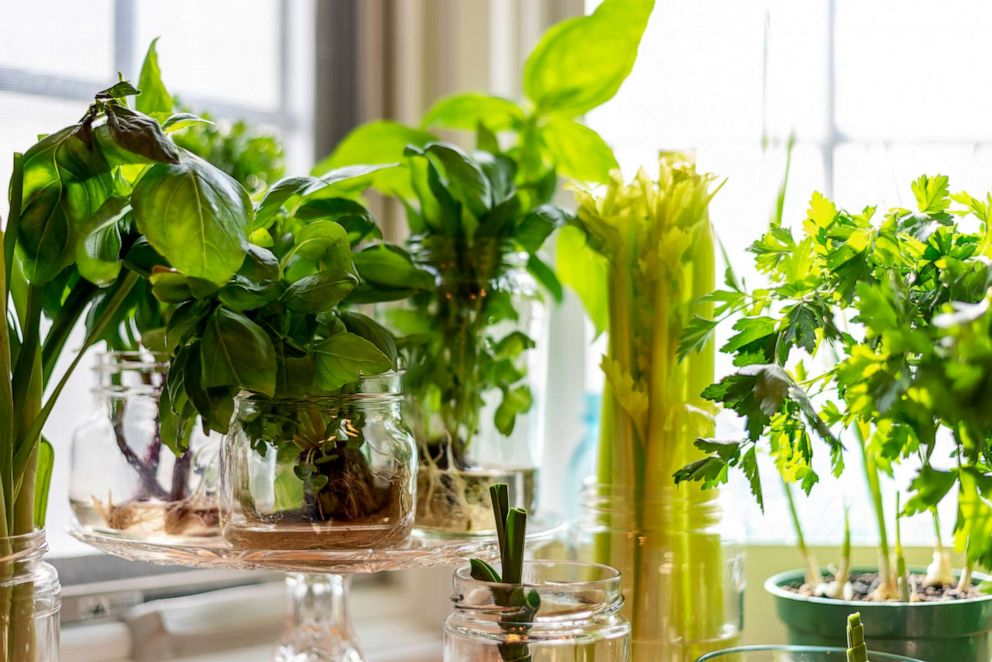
[320,472]
[475,378]
[124,477]
[578,617]
[30,600]
[683,567]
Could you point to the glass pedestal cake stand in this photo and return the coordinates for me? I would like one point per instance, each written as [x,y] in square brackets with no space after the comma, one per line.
[318,626]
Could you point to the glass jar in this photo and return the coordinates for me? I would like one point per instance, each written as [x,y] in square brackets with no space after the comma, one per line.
[578,617]
[320,472]
[475,379]
[30,600]
[124,478]
[683,567]
[794,654]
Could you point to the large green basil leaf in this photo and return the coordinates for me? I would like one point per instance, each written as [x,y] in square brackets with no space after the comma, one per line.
[195,216]
[324,241]
[463,177]
[581,62]
[98,251]
[65,183]
[154,98]
[237,353]
[377,334]
[382,141]
[256,284]
[578,152]
[469,110]
[287,192]
[321,291]
[344,358]
[390,266]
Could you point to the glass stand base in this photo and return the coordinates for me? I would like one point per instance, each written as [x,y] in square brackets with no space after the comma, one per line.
[318,626]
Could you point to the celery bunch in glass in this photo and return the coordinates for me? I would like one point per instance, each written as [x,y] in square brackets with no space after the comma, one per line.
[652,258]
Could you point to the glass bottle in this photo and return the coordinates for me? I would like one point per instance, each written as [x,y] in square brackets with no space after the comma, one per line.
[320,472]
[578,617]
[683,569]
[30,600]
[124,478]
[474,381]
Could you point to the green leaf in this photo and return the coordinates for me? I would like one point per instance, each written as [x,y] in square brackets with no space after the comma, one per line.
[545,275]
[577,151]
[195,216]
[391,267]
[535,228]
[256,284]
[181,121]
[170,286]
[154,98]
[98,251]
[65,182]
[696,335]
[581,62]
[515,402]
[288,192]
[585,271]
[380,141]
[932,194]
[462,176]
[368,328]
[324,241]
[468,110]
[483,572]
[344,358]
[320,292]
[929,488]
[118,90]
[240,354]
[352,216]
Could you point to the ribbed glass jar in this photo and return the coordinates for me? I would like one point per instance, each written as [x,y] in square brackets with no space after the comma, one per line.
[124,477]
[475,381]
[30,600]
[578,617]
[683,567]
[320,472]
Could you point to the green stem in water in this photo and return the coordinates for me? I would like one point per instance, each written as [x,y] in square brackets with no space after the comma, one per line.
[902,574]
[887,582]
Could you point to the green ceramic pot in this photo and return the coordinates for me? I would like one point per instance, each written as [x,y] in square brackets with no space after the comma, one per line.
[955,631]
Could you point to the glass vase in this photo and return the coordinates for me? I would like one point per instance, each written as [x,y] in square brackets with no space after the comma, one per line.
[320,472]
[30,600]
[124,477]
[683,567]
[794,654]
[578,617]
[474,381]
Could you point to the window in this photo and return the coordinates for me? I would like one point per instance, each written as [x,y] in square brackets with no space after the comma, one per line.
[254,65]
[877,93]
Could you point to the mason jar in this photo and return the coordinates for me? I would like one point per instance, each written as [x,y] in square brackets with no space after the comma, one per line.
[577,616]
[320,472]
[30,600]
[475,379]
[682,563]
[124,477]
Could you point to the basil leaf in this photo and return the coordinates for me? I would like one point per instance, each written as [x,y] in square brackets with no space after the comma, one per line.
[170,286]
[195,216]
[154,98]
[382,141]
[368,328]
[534,228]
[256,283]
[469,110]
[118,90]
[464,177]
[356,220]
[344,358]
[391,266]
[319,292]
[240,354]
[98,252]
[585,271]
[578,152]
[324,241]
[181,121]
[65,183]
[580,63]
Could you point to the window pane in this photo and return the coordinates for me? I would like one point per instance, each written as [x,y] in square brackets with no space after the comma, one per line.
[908,70]
[64,37]
[215,49]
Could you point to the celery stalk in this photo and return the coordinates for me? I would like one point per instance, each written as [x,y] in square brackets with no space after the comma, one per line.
[657,239]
